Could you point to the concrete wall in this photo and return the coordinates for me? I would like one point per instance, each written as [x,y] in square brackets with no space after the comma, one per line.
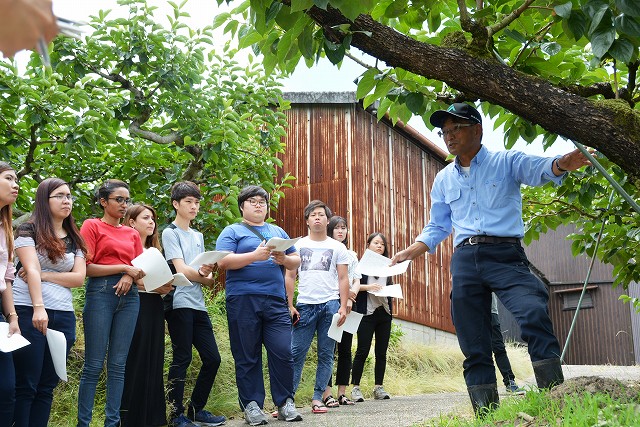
[425,335]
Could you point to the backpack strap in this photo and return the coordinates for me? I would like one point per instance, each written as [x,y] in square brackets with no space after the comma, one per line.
[254,231]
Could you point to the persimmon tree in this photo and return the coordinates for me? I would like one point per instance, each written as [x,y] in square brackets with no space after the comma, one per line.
[146,104]
[550,68]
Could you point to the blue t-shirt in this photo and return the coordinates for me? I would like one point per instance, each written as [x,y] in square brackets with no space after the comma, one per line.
[259,277]
[186,245]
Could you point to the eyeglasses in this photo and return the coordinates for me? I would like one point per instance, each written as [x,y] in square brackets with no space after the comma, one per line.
[254,202]
[454,129]
[61,197]
[121,200]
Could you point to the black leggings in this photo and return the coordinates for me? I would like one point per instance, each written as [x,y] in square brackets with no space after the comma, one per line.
[379,322]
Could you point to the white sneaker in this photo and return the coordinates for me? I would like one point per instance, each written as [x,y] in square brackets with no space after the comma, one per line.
[288,411]
[253,415]
[356,394]
[380,394]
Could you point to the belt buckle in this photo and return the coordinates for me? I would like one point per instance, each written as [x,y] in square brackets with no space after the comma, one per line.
[473,240]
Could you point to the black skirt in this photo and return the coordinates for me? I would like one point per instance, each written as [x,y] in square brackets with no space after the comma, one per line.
[143,399]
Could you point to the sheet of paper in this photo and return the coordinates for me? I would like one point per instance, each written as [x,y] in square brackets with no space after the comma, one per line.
[281,245]
[180,279]
[16,341]
[210,257]
[58,348]
[335,332]
[155,267]
[393,291]
[350,325]
[374,264]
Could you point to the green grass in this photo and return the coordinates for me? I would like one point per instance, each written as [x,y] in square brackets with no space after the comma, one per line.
[411,369]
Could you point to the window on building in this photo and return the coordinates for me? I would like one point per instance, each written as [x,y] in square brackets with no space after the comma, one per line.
[571,298]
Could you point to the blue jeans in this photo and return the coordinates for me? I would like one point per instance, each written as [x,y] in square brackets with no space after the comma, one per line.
[35,375]
[314,318]
[478,270]
[109,322]
[7,387]
[255,320]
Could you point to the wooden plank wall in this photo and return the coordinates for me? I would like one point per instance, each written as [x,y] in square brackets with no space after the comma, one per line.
[377,177]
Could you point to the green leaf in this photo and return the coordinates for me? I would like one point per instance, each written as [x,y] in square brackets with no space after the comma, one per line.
[577,24]
[322,4]
[251,38]
[305,41]
[515,35]
[601,18]
[220,19]
[273,11]
[563,10]
[366,83]
[300,5]
[629,7]
[395,9]
[334,54]
[551,48]
[602,40]
[415,103]
[627,25]
[622,50]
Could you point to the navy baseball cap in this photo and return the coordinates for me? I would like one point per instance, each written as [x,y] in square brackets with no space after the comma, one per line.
[459,109]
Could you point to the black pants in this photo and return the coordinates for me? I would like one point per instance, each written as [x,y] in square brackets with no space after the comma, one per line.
[344,359]
[499,351]
[378,322]
[188,327]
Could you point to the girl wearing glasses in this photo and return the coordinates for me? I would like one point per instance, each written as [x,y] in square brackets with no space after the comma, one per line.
[111,302]
[52,261]
[8,195]
[143,399]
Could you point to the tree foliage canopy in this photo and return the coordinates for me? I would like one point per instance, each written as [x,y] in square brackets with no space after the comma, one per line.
[538,67]
[148,105]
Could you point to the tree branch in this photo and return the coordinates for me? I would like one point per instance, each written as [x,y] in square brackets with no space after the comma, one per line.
[492,29]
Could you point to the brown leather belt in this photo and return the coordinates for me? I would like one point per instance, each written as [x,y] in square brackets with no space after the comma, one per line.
[492,240]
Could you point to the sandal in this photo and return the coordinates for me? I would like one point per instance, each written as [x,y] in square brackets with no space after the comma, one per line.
[330,402]
[319,409]
[344,400]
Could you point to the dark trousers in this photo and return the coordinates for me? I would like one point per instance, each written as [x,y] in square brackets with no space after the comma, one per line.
[188,327]
[7,387]
[503,268]
[254,321]
[378,322]
[499,350]
[343,371]
[35,375]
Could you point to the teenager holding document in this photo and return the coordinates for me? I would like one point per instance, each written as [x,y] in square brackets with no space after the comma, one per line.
[257,309]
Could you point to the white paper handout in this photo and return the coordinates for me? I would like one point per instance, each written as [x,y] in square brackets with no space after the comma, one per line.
[280,244]
[7,344]
[58,349]
[393,291]
[350,325]
[155,267]
[209,257]
[374,264]
[180,279]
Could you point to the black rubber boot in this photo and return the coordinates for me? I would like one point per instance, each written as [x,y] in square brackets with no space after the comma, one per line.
[548,373]
[484,398]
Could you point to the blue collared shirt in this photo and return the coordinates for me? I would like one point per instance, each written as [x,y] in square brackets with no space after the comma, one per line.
[487,201]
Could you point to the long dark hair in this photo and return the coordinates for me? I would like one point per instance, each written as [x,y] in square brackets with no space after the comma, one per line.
[47,242]
[384,239]
[133,211]
[6,216]
[333,223]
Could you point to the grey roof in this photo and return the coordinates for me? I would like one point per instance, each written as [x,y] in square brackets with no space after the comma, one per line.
[320,97]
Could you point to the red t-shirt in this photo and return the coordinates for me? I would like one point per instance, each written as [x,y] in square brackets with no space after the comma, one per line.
[109,245]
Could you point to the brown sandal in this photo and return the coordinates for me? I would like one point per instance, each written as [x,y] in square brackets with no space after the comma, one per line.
[344,400]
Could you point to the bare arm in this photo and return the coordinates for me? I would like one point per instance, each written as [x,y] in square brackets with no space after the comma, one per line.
[290,262]
[192,274]
[343,283]
[31,266]
[290,287]
[70,279]
[238,261]
[9,310]
[23,23]
[411,253]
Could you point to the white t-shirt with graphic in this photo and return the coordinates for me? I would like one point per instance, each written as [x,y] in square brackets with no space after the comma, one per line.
[318,276]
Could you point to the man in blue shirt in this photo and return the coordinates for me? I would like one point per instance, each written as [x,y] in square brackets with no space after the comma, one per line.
[478,197]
